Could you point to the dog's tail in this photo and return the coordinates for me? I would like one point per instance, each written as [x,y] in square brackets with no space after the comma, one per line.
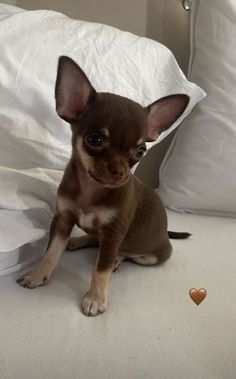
[178,235]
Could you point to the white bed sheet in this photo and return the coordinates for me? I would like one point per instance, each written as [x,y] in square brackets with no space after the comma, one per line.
[152,329]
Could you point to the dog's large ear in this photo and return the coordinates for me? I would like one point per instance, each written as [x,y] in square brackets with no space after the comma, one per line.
[163,113]
[73,90]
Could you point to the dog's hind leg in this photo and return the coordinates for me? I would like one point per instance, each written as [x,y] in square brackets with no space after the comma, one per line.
[161,256]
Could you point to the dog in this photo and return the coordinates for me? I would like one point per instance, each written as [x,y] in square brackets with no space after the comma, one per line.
[98,192]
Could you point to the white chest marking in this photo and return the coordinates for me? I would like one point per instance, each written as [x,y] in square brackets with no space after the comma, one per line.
[99,214]
[87,218]
[105,215]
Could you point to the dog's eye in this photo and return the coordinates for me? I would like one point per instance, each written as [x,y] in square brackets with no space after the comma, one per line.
[141,151]
[94,139]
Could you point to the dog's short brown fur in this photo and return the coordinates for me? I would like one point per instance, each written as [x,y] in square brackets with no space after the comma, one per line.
[98,192]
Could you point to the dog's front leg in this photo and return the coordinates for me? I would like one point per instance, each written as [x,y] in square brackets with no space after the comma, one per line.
[61,227]
[95,301]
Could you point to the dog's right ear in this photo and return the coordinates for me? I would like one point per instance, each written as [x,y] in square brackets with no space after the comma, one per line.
[73,90]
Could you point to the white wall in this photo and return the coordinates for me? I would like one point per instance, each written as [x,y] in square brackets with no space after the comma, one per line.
[125,14]
[13,2]
[163,20]
[168,22]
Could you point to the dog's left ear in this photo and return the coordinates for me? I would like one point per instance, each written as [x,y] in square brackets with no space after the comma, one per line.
[163,113]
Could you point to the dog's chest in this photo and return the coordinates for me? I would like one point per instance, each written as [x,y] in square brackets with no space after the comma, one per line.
[94,217]
[89,218]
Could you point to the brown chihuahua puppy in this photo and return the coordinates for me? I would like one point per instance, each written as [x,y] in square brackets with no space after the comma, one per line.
[98,192]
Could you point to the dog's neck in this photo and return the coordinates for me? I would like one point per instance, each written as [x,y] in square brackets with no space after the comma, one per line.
[90,191]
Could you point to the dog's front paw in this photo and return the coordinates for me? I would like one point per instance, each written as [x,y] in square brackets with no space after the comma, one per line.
[32,279]
[93,306]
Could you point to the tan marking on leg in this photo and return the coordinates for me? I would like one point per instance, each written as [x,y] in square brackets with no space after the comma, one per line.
[83,241]
[95,301]
[146,260]
[40,276]
[63,203]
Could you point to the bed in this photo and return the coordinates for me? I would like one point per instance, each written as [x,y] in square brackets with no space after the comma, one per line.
[152,328]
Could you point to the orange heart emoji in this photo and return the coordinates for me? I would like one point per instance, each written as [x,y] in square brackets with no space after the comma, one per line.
[197,295]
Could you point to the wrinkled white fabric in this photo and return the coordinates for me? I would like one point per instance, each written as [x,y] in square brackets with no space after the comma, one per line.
[34,141]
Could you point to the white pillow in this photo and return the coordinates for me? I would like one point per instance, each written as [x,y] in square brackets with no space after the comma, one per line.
[198,173]
[34,142]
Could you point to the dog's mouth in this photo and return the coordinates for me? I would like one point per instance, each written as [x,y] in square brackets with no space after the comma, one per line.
[109,183]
